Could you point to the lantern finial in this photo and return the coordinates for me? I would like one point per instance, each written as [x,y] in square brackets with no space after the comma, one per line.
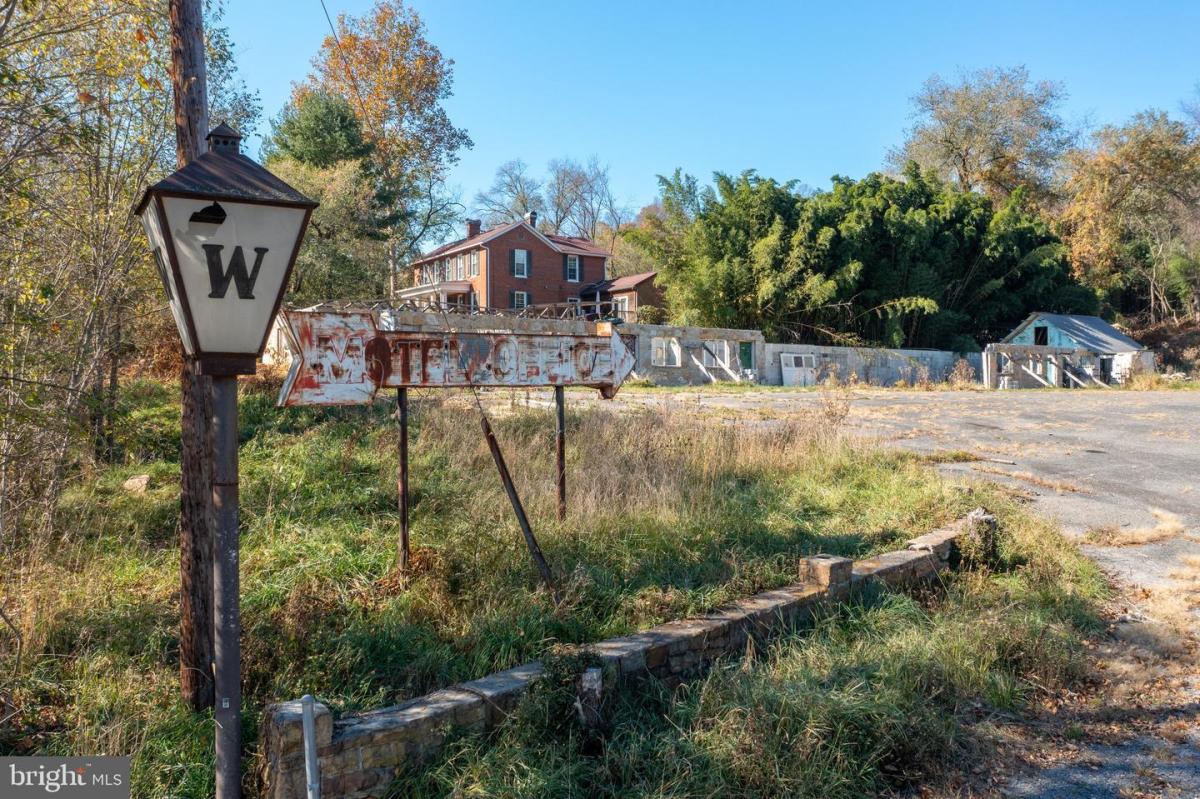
[224,139]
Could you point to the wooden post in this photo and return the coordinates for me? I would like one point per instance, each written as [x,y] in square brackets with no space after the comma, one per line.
[560,441]
[402,488]
[195,489]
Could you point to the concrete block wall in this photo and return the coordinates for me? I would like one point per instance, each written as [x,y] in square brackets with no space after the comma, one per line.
[691,369]
[880,367]
[361,754]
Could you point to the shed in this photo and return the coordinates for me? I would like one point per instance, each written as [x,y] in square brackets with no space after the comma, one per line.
[1115,355]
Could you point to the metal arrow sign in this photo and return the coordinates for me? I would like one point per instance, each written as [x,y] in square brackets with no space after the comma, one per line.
[344,359]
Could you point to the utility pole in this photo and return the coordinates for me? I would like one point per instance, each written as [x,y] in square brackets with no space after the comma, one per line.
[188,79]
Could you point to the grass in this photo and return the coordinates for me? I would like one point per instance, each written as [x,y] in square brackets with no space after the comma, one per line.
[669,516]
[1168,526]
[1145,381]
[879,696]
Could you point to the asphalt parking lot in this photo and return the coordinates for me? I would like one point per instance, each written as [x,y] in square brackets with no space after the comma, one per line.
[1120,460]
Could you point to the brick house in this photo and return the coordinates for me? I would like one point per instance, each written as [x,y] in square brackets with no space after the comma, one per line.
[510,266]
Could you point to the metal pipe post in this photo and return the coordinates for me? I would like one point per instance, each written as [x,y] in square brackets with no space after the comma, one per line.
[561,443]
[535,551]
[226,614]
[402,407]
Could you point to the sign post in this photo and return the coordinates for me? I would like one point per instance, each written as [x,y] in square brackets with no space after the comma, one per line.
[560,449]
[343,358]
[224,233]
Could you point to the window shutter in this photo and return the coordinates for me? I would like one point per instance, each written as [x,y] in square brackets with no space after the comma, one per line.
[529,263]
[566,276]
[512,299]
[512,263]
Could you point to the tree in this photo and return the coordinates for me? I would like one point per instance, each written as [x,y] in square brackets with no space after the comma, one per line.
[514,192]
[575,199]
[317,145]
[317,129]
[993,131]
[882,261]
[660,229]
[84,127]
[594,204]
[396,81]
[343,255]
[1131,221]
[563,191]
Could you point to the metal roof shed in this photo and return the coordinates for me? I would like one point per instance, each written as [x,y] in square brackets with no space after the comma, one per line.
[1073,331]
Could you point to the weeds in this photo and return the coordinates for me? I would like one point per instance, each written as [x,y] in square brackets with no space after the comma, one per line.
[1169,526]
[669,516]
[877,696]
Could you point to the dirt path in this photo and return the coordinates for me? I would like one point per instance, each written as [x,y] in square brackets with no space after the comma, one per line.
[1121,472]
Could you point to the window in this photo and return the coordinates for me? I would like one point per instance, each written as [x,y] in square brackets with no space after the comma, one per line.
[1041,336]
[798,361]
[518,299]
[475,263]
[714,353]
[520,263]
[664,351]
[621,306]
[571,264]
[458,267]
[573,306]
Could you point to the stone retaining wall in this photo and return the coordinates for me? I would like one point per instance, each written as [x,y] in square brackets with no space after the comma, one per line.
[361,754]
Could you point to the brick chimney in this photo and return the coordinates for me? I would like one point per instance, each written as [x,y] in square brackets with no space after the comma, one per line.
[473,227]
[531,218]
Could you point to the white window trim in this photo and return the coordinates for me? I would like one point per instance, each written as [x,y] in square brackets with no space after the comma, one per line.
[578,269]
[475,263]
[521,266]
[520,300]
[715,352]
[668,347]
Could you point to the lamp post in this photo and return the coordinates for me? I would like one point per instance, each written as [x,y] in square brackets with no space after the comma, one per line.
[225,233]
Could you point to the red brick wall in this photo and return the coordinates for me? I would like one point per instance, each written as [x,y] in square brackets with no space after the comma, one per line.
[545,283]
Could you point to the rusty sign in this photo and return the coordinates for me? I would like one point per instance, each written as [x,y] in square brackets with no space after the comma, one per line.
[344,358]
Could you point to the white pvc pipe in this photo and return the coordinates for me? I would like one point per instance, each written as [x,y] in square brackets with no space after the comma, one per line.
[312,768]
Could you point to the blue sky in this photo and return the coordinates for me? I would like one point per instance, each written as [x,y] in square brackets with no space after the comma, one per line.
[801,90]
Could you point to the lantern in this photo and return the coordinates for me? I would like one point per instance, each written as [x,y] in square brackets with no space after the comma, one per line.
[225,233]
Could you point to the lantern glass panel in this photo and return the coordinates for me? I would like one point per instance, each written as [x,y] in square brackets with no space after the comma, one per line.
[233,267]
[162,264]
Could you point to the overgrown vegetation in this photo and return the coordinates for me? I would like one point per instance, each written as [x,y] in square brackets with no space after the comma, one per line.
[670,515]
[882,694]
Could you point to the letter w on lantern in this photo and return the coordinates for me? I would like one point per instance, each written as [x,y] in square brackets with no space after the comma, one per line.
[219,276]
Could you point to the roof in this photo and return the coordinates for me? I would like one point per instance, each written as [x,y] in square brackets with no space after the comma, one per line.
[1091,332]
[627,283]
[571,245]
[225,174]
